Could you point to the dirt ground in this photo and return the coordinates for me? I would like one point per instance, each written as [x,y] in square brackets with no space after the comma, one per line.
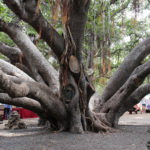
[131,135]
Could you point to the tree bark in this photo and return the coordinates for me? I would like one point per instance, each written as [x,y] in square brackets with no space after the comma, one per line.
[126,68]
[41,70]
[112,106]
[132,100]
[11,52]
[14,71]
[73,110]
[27,12]
[39,91]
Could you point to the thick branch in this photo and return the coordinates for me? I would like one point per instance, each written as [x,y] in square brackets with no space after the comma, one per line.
[123,72]
[11,52]
[136,78]
[16,57]
[39,92]
[134,98]
[27,11]
[77,20]
[22,102]
[14,71]
[33,55]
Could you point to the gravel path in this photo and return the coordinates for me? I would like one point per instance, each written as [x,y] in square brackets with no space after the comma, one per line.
[127,137]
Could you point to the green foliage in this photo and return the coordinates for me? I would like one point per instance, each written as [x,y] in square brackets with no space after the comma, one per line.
[5,13]
[114,20]
[6,39]
[105,24]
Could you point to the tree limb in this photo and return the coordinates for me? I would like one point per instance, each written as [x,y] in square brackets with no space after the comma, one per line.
[14,71]
[39,92]
[136,79]
[16,58]
[125,69]
[11,52]
[24,102]
[41,69]
[27,12]
[133,99]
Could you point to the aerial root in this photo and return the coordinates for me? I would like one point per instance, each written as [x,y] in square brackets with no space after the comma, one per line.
[100,123]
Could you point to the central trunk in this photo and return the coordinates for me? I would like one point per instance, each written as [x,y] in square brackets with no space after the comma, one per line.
[73,80]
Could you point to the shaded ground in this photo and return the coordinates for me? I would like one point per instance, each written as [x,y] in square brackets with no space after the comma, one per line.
[127,137]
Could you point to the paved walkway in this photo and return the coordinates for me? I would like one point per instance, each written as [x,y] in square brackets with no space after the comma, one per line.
[126,119]
[135,119]
[32,128]
[134,137]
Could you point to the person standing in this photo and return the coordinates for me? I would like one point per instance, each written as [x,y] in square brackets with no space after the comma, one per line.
[7,111]
[143,102]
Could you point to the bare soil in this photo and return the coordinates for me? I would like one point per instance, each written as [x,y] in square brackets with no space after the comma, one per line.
[127,137]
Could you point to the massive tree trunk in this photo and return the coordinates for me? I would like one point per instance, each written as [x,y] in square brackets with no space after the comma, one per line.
[69,101]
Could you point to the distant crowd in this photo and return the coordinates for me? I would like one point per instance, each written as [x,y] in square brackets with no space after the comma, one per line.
[142,107]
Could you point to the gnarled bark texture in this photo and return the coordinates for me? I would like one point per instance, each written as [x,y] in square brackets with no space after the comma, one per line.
[66,99]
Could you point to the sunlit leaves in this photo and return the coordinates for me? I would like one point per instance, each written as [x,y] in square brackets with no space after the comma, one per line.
[5,13]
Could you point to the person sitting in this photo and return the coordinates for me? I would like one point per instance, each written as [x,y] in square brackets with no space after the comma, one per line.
[134,109]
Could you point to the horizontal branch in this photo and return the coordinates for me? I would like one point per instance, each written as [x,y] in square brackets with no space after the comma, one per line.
[24,102]
[39,92]
[14,71]
[16,57]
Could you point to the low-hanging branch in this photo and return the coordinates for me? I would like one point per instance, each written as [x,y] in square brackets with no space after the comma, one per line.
[35,90]
[25,102]
[16,57]
[12,70]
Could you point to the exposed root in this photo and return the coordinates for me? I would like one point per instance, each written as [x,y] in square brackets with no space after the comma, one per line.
[100,123]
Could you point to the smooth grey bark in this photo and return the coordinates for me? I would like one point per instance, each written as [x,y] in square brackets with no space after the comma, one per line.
[132,100]
[125,69]
[14,71]
[125,82]
[16,57]
[11,52]
[135,80]
[27,12]
[40,92]
[25,102]
[38,64]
